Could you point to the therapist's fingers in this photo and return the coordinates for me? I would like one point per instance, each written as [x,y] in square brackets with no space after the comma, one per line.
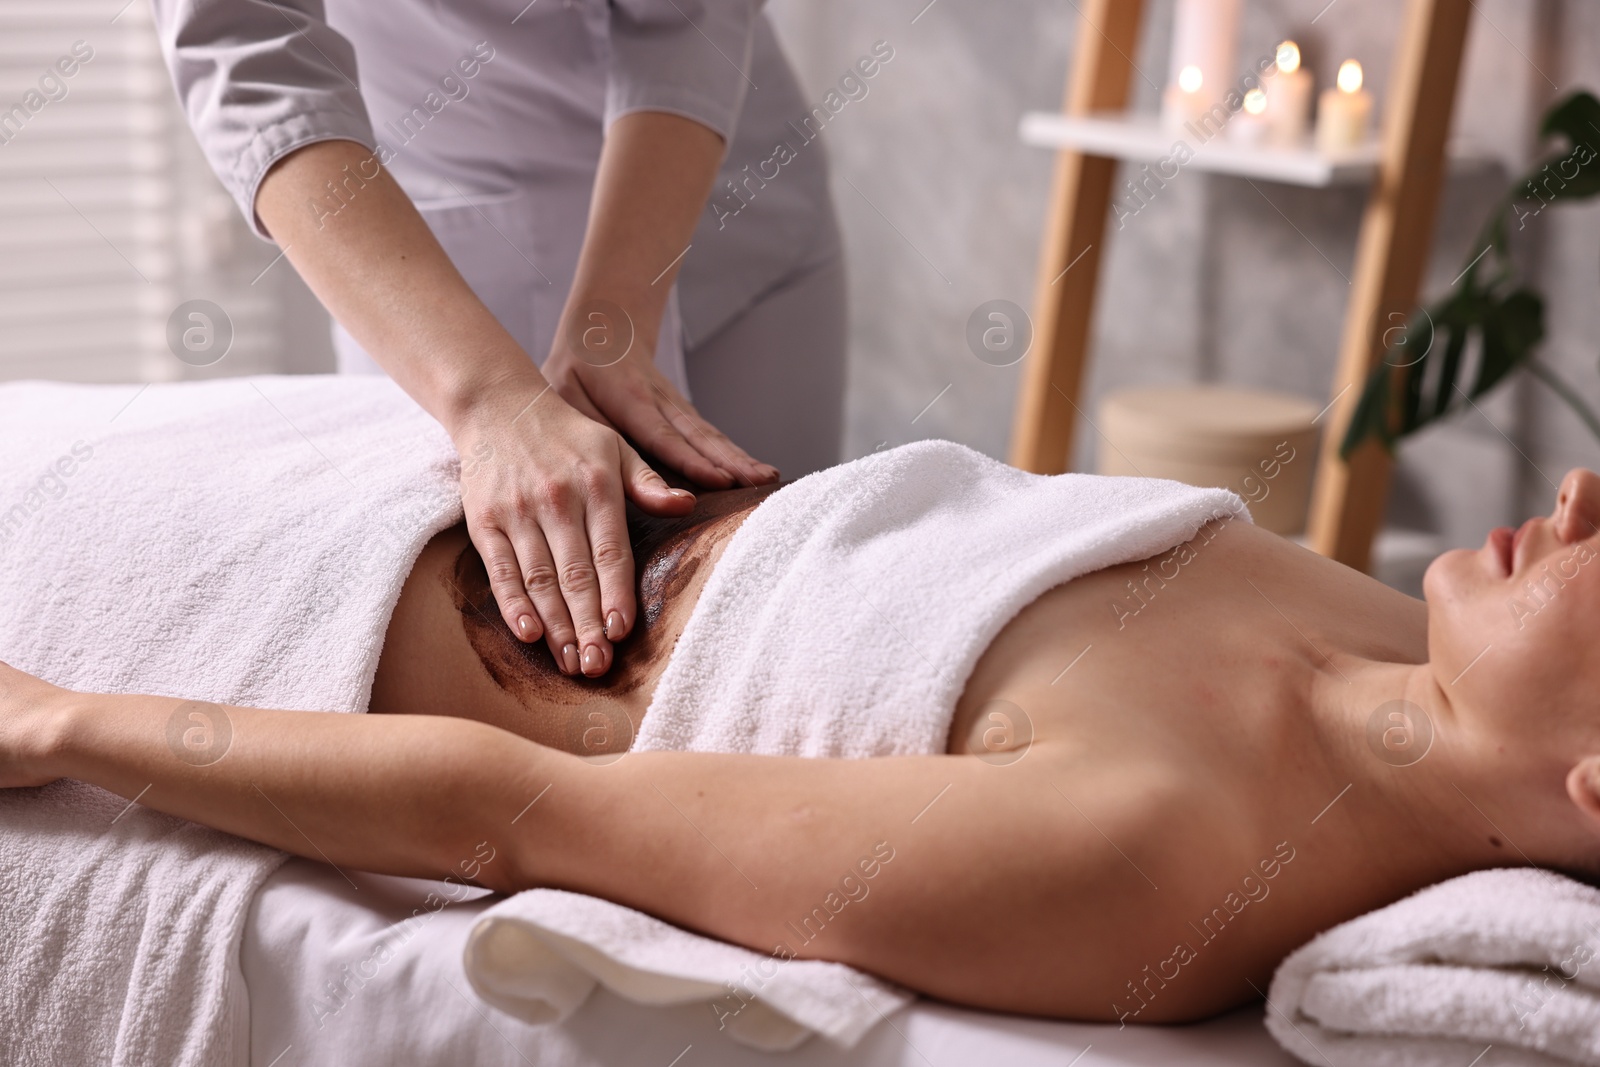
[639,402]
[613,563]
[649,490]
[576,578]
[662,440]
[712,443]
[505,581]
[539,575]
[627,398]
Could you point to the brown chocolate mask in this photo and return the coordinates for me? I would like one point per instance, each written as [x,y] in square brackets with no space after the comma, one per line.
[668,554]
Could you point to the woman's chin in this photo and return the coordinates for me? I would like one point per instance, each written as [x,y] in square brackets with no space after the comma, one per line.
[1442,579]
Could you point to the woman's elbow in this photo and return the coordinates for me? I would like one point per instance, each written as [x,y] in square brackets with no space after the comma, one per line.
[491,822]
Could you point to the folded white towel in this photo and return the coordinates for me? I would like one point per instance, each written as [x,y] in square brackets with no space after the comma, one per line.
[842,620]
[540,954]
[1509,958]
[240,541]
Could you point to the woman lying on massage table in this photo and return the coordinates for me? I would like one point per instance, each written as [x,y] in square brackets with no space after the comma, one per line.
[1201,796]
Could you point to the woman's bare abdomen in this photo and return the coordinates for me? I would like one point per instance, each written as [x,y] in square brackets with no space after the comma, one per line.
[447,650]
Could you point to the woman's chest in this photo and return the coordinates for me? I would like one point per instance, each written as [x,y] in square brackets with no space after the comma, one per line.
[1205,651]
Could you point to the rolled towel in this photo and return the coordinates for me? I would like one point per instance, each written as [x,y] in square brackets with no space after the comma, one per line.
[1508,958]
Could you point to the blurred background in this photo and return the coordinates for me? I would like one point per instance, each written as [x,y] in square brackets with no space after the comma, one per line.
[109,219]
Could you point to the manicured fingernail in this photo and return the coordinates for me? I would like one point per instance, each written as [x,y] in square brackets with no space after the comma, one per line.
[527,629]
[683,494]
[771,473]
[594,660]
[569,659]
[614,626]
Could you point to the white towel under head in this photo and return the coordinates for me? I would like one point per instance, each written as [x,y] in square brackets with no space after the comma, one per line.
[842,620]
[1508,958]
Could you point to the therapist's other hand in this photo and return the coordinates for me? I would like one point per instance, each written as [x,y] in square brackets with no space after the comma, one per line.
[636,398]
[543,488]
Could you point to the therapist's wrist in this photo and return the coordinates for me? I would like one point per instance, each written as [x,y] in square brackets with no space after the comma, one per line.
[603,323]
[468,401]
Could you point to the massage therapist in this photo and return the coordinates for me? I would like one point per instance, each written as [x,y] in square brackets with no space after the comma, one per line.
[503,205]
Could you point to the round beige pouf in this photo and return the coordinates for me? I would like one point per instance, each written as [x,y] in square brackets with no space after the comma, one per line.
[1258,444]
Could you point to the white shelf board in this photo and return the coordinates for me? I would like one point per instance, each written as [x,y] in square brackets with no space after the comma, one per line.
[1143,138]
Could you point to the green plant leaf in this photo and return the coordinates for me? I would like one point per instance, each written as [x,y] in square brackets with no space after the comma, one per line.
[1573,173]
[1449,368]
[1509,325]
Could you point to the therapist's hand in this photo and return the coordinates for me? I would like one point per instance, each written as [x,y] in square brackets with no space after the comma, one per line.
[543,485]
[654,175]
[543,489]
[636,398]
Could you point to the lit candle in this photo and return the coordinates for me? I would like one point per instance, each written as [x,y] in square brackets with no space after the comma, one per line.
[1344,113]
[1182,101]
[1250,126]
[1200,70]
[1289,97]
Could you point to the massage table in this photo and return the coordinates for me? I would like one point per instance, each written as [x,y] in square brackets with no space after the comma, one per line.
[310,922]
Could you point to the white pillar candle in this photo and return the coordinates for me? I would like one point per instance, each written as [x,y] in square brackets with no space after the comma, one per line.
[1344,113]
[1251,125]
[1182,101]
[1289,97]
[1201,68]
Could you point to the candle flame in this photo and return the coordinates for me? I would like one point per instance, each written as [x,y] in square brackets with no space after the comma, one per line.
[1189,79]
[1349,76]
[1288,57]
[1255,101]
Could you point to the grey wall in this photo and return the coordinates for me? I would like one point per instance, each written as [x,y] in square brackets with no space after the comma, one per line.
[1218,279]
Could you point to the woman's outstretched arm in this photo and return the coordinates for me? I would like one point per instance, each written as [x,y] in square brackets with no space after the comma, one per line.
[923,869]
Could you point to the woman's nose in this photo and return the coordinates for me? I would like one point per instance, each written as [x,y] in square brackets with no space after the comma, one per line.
[1578,505]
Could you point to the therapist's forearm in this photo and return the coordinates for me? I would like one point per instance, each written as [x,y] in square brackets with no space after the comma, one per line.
[376,266]
[655,173]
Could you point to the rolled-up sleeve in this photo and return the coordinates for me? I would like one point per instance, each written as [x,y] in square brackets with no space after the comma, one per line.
[259,79]
[690,57]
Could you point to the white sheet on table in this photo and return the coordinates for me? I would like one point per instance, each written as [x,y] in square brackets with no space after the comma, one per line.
[308,923]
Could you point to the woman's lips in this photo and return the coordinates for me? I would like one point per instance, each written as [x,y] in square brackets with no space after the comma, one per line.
[1517,538]
[1502,542]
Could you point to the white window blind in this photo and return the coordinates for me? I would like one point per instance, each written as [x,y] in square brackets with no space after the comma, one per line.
[109,218]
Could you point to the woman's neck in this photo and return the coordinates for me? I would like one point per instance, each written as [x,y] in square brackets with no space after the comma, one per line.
[1433,789]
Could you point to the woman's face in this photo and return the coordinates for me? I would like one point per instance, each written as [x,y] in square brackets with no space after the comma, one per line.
[1513,625]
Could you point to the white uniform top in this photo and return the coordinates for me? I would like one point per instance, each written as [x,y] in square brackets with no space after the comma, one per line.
[490,113]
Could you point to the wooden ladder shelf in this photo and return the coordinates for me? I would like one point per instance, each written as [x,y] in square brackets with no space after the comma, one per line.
[1392,251]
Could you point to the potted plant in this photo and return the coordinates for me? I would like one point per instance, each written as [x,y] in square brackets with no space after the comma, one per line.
[1490,310]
